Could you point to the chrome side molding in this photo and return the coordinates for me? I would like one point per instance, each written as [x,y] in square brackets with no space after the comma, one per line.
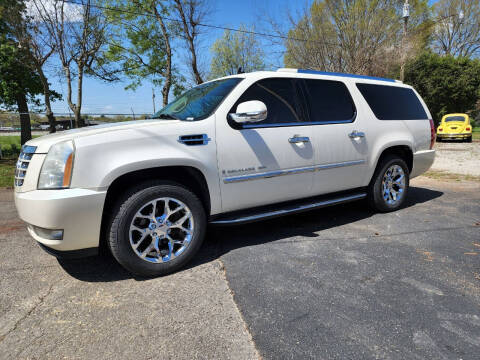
[271,174]
[288,210]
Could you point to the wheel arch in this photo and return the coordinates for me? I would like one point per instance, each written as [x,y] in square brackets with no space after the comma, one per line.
[188,176]
[403,151]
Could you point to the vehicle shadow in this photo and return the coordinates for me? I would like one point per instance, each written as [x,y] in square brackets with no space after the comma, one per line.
[221,240]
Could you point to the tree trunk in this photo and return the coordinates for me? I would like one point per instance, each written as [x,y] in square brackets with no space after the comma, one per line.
[46,93]
[198,77]
[78,107]
[168,50]
[25,127]
[190,35]
[78,118]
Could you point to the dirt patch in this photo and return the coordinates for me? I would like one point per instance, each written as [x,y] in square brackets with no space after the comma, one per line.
[458,158]
[450,182]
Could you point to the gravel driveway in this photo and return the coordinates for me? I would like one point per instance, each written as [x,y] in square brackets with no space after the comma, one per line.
[458,158]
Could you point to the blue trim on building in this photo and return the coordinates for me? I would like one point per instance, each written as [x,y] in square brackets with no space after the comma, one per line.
[303,71]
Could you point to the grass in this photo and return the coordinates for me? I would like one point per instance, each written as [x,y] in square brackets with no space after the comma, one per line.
[476,133]
[7,163]
[7,172]
[10,145]
[446,176]
[6,141]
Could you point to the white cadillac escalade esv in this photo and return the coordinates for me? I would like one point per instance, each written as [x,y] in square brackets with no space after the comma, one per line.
[233,150]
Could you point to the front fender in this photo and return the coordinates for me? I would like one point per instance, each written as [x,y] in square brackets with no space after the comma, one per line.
[99,161]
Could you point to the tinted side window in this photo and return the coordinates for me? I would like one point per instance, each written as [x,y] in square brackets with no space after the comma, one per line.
[392,102]
[279,95]
[329,101]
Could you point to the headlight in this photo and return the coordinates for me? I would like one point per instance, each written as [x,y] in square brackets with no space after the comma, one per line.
[57,168]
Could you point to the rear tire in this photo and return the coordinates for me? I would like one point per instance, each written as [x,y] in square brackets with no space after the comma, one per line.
[469,139]
[156,228]
[388,188]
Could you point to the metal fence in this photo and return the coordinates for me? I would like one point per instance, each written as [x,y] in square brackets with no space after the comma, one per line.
[10,121]
[10,128]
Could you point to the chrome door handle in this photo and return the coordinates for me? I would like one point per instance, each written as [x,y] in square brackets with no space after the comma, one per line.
[298,139]
[356,134]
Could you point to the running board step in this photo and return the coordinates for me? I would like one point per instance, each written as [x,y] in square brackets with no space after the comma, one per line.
[285,209]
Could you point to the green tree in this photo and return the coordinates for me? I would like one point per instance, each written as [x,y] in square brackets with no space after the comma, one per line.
[457,30]
[356,36]
[447,84]
[143,44]
[79,33]
[236,50]
[18,84]
[31,35]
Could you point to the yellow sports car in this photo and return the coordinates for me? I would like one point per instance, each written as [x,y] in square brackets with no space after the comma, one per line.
[455,126]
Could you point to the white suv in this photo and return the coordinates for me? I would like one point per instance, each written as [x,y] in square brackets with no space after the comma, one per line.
[233,150]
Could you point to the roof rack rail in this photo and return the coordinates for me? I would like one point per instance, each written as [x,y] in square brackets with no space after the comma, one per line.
[315,72]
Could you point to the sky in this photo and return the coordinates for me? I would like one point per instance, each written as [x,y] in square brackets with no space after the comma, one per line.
[100,97]
[108,98]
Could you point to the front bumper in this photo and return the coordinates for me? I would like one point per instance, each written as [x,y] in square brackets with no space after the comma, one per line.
[422,161]
[78,212]
[454,136]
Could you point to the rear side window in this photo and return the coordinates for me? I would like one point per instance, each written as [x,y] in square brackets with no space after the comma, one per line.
[329,101]
[280,97]
[393,102]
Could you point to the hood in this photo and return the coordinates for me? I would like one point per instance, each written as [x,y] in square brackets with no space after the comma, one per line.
[43,143]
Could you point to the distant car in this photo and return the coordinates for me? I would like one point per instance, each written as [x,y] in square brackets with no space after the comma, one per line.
[44,127]
[455,126]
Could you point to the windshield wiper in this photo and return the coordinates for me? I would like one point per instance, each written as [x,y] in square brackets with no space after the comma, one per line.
[167,116]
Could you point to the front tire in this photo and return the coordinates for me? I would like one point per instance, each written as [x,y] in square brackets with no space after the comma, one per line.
[388,188]
[157,228]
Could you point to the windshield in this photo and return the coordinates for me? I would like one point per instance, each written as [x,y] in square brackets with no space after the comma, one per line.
[199,102]
[455,118]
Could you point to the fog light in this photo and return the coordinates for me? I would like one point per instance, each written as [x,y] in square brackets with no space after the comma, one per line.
[47,233]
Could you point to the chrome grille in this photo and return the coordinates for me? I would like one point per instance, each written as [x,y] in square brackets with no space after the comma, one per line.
[22,163]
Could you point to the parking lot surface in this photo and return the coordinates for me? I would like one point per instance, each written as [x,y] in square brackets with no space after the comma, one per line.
[337,283]
[345,283]
[93,309]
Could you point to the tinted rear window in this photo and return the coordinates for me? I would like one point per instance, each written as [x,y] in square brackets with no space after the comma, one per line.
[392,102]
[329,101]
[455,118]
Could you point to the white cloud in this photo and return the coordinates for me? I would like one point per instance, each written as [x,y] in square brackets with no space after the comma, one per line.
[35,9]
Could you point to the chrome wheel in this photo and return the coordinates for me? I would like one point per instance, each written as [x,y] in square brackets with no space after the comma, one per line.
[393,184]
[161,230]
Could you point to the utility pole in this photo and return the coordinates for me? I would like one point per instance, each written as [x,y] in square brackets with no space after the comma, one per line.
[406,15]
[153,100]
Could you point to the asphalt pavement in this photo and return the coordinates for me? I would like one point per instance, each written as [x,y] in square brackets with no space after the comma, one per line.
[345,283]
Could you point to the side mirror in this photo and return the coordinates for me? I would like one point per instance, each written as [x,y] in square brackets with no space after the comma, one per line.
[249,111]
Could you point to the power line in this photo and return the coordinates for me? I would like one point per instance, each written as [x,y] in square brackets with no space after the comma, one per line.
[217,27]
